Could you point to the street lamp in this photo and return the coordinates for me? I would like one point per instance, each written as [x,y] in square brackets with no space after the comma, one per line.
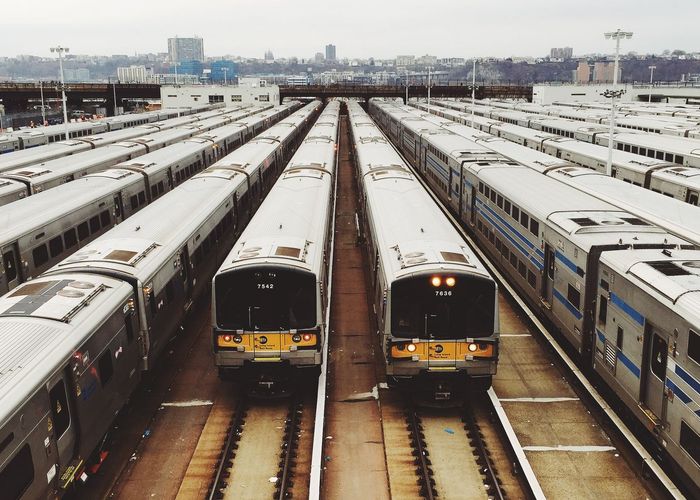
[225,70]
[429,68]
[473,88]
[651,81]
[43,111]
[60,50]
[616,35]
[114,91]
[406,71]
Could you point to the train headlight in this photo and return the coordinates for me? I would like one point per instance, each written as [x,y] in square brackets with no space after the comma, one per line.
[450,281]
[263,340]
[473,347]
[307,337]
[228,338]
[237,339]
[436,281]
[296,337]
[411,347]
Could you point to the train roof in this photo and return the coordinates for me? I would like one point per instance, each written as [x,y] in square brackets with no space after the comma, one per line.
[289,228]
[38,154]
[40,210]
[673,276]
[42,323]
[676,145]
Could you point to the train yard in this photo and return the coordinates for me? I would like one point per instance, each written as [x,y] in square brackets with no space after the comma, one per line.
[195,427]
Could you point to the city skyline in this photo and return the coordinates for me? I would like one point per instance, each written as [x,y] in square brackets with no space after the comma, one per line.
[537,26]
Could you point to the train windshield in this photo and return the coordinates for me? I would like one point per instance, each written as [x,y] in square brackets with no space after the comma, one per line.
[267,299]
[443,307]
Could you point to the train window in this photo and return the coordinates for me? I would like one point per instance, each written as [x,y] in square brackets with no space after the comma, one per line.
[105,367]
[83,231]
[659,155]
[651,153]
[534,227]
[498,244]
[18,475]
[643,151]
[692,198]
[574,297]
[169,292]
[59,408]
[142,197]
[161,187]
[659,354]
[694,346]
[603,311]
[531,279]
[678,159]
[56,246]
[134,202]
[620,146]
[524,219]
[522,270]
[620,337]
[94,224]
[690,442]
[479,225]
[70,238]
[516,213]
[481,187]
[506,206]
[8,260]
[41,255]
[513,260]
[154,191]
[105,218]
[499,201]
[487,191]
[669,157]
[129,327]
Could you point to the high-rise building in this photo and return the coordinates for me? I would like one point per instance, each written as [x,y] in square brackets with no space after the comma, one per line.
[186,49]
[269,56]
[330,52]
[318,58]
[562,53]
[603,72]
[134,74]
[582,74]
[405,60]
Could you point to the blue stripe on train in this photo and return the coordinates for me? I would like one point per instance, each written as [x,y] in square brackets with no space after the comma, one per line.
[567,304]
[514,230]
[629,310]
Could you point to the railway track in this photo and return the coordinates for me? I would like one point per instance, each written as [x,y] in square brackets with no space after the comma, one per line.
[264,444]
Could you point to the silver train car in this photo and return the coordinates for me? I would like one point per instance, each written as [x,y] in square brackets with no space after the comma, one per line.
[560,248]
[38,232]
[436,305]
[270,296]
[86,141]
[658,175]
[78,340]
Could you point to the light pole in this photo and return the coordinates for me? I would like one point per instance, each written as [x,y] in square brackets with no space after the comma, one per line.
[429,68]
[43,111]
[473,88]
[60,50]
[651,80]
[406,71]
[225,70]
[114,92]
[175,64]
[616,35]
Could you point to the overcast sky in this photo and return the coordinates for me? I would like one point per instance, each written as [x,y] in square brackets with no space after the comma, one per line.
[359,28]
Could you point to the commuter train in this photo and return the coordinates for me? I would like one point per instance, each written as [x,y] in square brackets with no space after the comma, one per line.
[436,305]
[97,137]
[673,215]
[19,182]
[76,339]
[27,138]
[38,232]
[622,292]
[270,296]
[672,149]
[658,175]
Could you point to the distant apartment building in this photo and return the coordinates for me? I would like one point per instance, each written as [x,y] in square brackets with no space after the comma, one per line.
[297,80]
[269,56]
[76,75]
[603,72]
[330,52]
[186,49]
[582,74]
[134,74]
[405,60]
[318,58]
[562,53]
[427,60]
[223,71]
[452,61]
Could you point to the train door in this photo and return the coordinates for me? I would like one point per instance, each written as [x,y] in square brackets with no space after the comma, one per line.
[11,265]
[118,208]
[185,276]
[693,197]
[548,278]
[170,179]
[64,426]
[654,370]
[473,206]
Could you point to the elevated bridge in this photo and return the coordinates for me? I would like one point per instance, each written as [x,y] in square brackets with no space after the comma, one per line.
[15,96]
[398,91]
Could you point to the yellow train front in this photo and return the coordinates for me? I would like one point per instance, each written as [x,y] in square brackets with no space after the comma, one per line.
[440,333]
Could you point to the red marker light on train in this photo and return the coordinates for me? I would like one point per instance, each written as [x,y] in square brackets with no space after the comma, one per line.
[227,338]
[450,281]
[436,281]
[307,337]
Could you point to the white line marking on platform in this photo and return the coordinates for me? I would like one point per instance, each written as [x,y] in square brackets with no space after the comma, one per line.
[187,404]
[536,400]
[561,447]
[515,335]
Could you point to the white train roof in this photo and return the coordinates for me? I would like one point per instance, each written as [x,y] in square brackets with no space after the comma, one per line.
[42,323]
[676,145]
[673,276]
